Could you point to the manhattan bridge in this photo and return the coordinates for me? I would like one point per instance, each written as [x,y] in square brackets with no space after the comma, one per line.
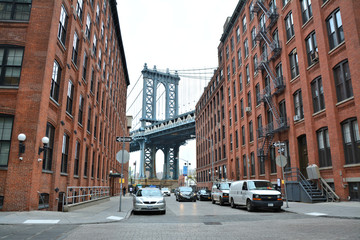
[164,116]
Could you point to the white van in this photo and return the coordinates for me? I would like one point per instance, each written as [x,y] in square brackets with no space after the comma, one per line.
[253,194]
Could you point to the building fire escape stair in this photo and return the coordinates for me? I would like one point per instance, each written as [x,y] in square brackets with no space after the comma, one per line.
[266,134]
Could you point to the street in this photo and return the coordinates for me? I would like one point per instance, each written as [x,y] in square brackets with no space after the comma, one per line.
[200,220]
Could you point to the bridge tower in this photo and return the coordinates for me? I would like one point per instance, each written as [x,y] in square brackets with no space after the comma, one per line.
[152,78]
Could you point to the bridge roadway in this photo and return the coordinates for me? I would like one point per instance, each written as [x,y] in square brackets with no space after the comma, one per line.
[162,133]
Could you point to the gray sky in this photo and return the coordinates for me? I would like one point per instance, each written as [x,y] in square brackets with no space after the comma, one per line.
[174,34]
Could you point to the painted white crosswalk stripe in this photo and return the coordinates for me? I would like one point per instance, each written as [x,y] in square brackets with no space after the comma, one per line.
[32,221]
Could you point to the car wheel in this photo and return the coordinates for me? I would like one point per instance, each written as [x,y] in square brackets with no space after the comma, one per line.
[221,201]
[163,212]
[249,207]
[232,204]
[212,200]
[277,209]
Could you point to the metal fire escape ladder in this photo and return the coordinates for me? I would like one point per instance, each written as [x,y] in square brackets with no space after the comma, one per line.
[268,132]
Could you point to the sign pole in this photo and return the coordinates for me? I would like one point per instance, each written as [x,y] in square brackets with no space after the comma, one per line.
[122,172]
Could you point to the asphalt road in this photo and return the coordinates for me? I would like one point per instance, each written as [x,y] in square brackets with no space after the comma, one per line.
[200,220]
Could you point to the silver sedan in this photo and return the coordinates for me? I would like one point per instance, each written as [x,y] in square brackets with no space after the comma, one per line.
[149,200]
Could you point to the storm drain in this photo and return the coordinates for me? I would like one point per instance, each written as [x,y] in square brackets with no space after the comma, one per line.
[212,223]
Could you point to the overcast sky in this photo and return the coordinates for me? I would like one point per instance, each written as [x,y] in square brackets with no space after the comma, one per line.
[173,34]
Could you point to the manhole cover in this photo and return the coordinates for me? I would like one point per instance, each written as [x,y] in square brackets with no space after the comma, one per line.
[212,223]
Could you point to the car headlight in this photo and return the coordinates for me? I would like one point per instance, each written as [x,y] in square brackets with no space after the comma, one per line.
[161,201]
[180,194]
[139,201]
[279,196]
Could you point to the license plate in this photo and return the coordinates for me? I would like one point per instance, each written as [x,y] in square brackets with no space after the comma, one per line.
[149,207]
[209,197]
[270,204]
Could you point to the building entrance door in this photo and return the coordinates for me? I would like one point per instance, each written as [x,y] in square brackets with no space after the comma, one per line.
[61,201]
[303,154]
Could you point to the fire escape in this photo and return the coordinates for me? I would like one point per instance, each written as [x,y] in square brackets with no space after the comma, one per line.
[272,52]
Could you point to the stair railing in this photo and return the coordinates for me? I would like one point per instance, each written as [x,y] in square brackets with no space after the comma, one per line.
[330,194]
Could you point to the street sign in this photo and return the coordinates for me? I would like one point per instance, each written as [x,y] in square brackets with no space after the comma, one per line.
[122,153]
[281,161]
[123,139]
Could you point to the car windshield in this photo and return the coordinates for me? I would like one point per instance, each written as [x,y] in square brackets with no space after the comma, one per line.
[185,189]
[205,191]
[225,186]
[149,193]
[165,189]
[260,185]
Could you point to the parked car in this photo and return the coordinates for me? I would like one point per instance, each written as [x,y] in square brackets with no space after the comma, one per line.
[220,192]
[165,191]
[186,194]
[203,194]
[255,194]
[149,199]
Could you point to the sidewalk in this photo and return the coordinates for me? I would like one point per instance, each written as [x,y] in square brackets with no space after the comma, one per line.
[100,213]
[349,210]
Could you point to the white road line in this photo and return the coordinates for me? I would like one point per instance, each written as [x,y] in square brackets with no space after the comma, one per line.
[115,218]
[41,221]
[316,214]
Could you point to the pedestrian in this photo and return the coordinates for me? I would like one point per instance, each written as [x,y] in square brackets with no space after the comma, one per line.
[124,191]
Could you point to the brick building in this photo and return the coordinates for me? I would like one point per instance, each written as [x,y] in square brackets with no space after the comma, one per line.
[63,75]
[288,71]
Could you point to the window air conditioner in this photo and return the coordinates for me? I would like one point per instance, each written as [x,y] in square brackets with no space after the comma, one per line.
[247,109]
[314,57]
[296,118]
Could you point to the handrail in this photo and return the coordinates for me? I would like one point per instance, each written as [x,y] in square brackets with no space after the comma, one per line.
[329,191]
[77,194]
[299,177]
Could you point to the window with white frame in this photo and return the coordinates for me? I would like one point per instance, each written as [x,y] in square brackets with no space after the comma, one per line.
[342,79]
[6,125]
[335,29]
[62,25]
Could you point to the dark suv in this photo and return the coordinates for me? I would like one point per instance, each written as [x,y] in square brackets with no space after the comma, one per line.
[186,194]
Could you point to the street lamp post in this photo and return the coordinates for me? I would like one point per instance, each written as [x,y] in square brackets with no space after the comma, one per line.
[212,154]
[135,173]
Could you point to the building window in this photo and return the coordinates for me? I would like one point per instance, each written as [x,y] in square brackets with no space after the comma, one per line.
[343,81]
[272,160]
[15,10]
[255,63]
[55,82]
[351,136]
[244,165]
[335,29]
[251,12]
[289,25]
[299,112]
[235,113]
[285,2]
[86,161]
[92,80]
[6,123]
[252,158]
[88,27]
[75,49]
[282,111]
[232,44]
[47,161]
[249,99]
[70,98]
[311,49]
[64,153]
[259,125]
[85,66]
[62,25]
[233,65]
[230,119]
[251,131]
[306,10]
[244,24]
[324,147]
[237,34]
[253,37]
[240,82]
[77,158]
[10,65]
[79,9]
[246,48]
[227,52]
[236,139]
[243,135]
[94,45]
[89,120]
[81,110]
[261,166]
[317,95]
[239,57]
[294,64]
[247,74]
[43,200]
[231,142]
[257,92]
[97,14]
[242,107]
